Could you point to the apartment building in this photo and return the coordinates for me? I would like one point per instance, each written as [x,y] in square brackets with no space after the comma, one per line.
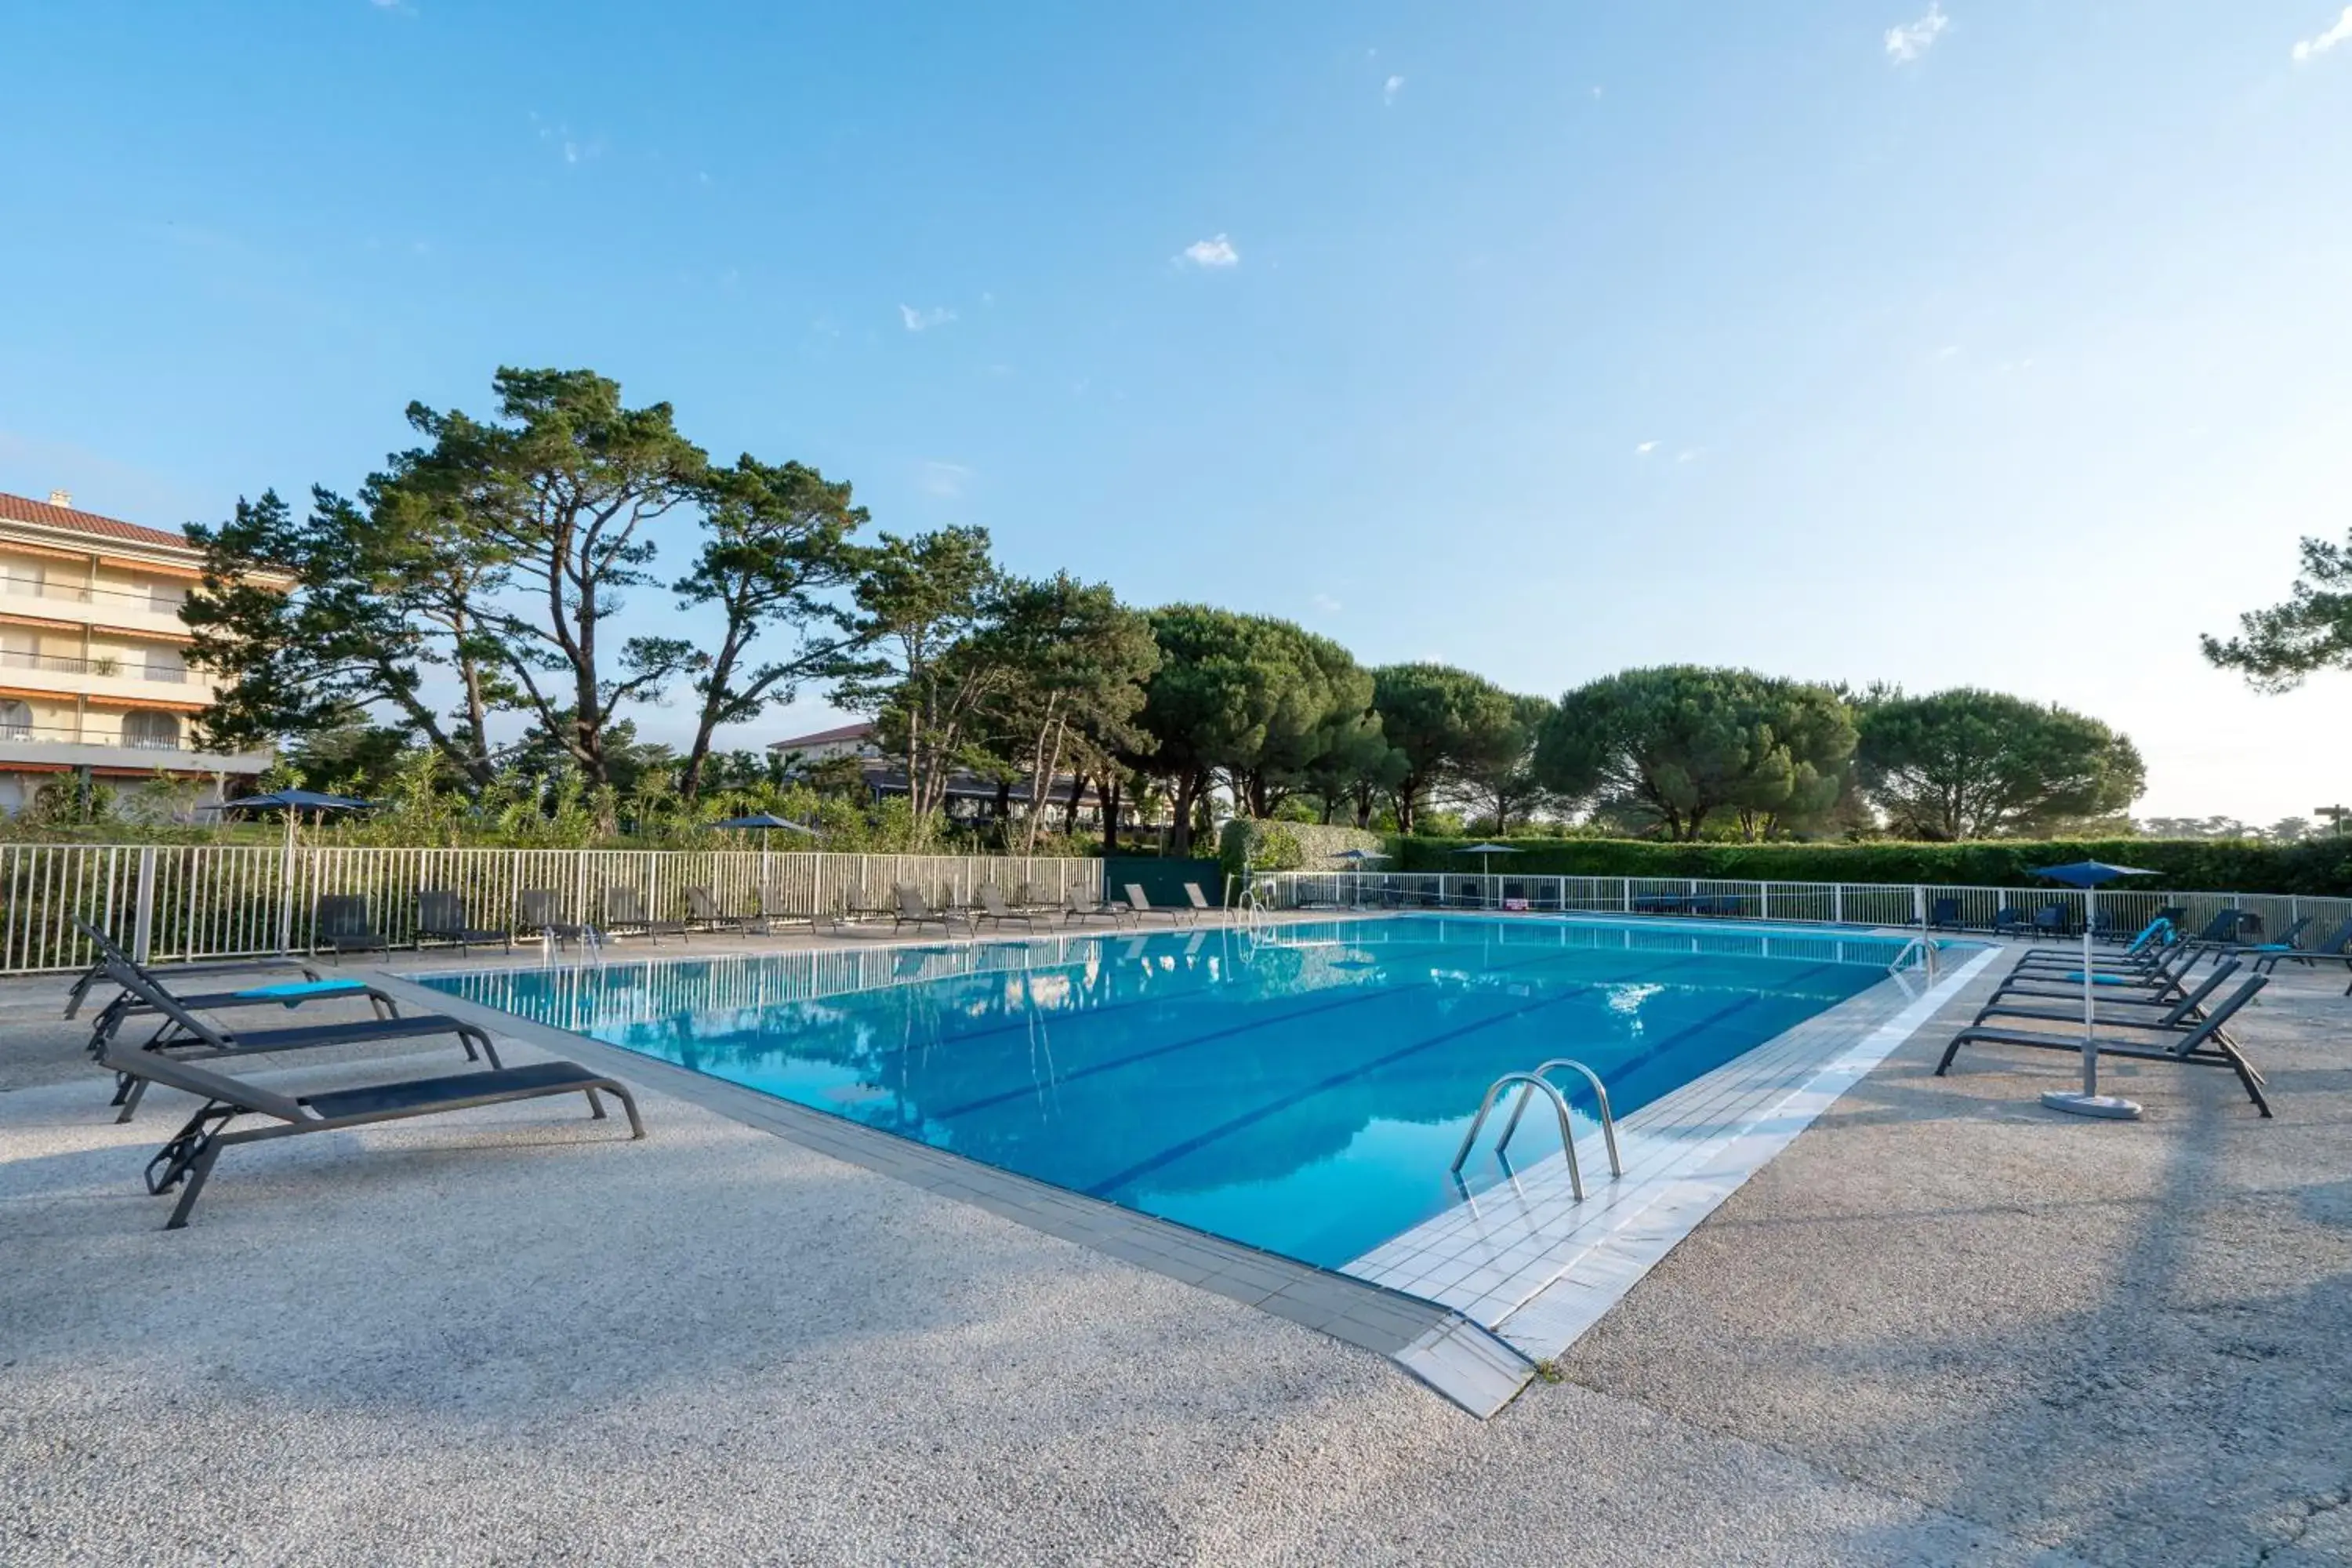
[93,673]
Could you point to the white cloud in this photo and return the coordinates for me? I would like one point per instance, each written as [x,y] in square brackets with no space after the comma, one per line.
[1645,449]
[1908,43]
[1325,603]
[943,479]
[1949,351]
[1216,252]
[924,320]
[1391,87]
[2311,49]
[1688,454]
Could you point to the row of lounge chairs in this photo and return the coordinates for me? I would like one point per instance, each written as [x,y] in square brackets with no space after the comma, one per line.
[2147,1007]
[187,1040]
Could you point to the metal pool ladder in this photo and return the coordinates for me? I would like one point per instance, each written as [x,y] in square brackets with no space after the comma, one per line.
[1531,1084]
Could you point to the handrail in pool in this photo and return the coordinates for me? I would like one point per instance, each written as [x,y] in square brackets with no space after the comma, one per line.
[1533,1083]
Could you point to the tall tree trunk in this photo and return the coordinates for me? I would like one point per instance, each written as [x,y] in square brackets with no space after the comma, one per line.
[1114,786]
[1078,793]
[1188,788]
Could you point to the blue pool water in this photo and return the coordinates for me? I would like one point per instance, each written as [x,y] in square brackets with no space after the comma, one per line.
[1304,1096]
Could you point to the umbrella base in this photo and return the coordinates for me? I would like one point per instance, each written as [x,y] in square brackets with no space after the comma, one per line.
[2113,1108]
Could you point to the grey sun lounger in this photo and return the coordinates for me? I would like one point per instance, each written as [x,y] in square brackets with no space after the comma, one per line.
[777,908]
[909,908]
[624,915]
[103,946]
[702,909]
[1108,909]
[2181,1010]
[1198,900]
[992,906]
[1140,903]
[2207,1044]
[186,1034]
[341,926]
[2336,947]
[186,1159]
[262,992]
[441,917]
[538,913]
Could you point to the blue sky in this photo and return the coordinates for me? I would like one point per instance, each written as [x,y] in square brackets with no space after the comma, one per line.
[1998,341]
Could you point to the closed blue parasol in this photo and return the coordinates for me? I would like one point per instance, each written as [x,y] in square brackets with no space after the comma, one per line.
[2090,876]
[1486,853]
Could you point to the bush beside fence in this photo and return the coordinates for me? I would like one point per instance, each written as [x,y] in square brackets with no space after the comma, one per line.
[2319,868]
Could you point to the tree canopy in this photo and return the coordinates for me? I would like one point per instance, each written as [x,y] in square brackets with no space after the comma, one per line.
[1969,764]
[1682,743]
[2276,647]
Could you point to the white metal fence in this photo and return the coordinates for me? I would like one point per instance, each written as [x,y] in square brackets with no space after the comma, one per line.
[200,900]
[2027,911]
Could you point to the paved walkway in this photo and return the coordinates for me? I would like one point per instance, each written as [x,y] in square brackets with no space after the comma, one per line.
[1943,1326]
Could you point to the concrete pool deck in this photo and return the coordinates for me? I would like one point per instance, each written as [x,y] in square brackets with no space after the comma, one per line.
[1943,1325]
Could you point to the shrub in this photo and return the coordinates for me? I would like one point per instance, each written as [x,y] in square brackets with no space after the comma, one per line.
[2318,868]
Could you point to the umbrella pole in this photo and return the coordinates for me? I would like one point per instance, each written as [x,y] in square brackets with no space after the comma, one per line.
[2090,1102]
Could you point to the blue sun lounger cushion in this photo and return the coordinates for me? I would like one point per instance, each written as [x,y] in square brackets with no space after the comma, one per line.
[300,990]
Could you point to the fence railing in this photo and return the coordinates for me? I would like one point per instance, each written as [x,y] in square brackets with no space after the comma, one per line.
[1927,906]
[168,902]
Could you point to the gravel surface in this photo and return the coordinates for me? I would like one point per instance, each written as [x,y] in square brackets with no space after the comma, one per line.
[1943,1327]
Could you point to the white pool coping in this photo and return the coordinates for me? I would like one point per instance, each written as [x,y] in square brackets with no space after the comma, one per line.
[1530,1262]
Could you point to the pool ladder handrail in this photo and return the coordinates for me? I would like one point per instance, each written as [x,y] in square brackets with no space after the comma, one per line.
[1928,951]
[1531,1084]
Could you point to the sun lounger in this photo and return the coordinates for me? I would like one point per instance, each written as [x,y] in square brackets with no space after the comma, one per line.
[341,926]
[992,906]
[624,915]
[1140,903]
[2336,947]
[1074,909]
[1198,900]
[909,909]
[102,946]
[702,912]
[537,913]
[260,991]
[1944,914]
[187,1161]
[185,1034]
[2138,1009]
[2205,1043]
[441,917]
[777,908]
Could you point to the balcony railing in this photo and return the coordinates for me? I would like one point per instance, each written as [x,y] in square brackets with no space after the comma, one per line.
[62,734]
[110,667]
[161,603]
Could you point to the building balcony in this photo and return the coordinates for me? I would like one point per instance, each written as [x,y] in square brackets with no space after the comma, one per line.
[56,746]
[117,676]
[123,608]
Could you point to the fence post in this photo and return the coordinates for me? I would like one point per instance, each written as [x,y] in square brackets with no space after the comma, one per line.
[1918,906]
[1837,903]
[1625,894]
[142,917]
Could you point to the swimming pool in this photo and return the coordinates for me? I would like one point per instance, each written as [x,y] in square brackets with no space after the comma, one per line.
[1304,1095]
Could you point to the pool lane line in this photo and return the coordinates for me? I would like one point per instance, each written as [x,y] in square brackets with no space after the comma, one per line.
[1248,1026]
[1133,1174]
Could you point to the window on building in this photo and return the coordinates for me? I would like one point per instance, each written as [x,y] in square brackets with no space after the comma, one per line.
[165,598]
[20,576]
[158,732]
[20,651]
[15,721]
[166,664]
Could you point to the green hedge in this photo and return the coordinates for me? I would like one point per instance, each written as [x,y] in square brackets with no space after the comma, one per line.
[2319,868]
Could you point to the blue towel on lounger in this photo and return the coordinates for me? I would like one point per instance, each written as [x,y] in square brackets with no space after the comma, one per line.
[297,990]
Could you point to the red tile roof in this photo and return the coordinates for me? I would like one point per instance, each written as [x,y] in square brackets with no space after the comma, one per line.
[23,508]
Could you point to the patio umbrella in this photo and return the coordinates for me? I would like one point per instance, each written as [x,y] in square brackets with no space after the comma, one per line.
[2090,876]
[766,822]
[1486,853]
[293,803]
